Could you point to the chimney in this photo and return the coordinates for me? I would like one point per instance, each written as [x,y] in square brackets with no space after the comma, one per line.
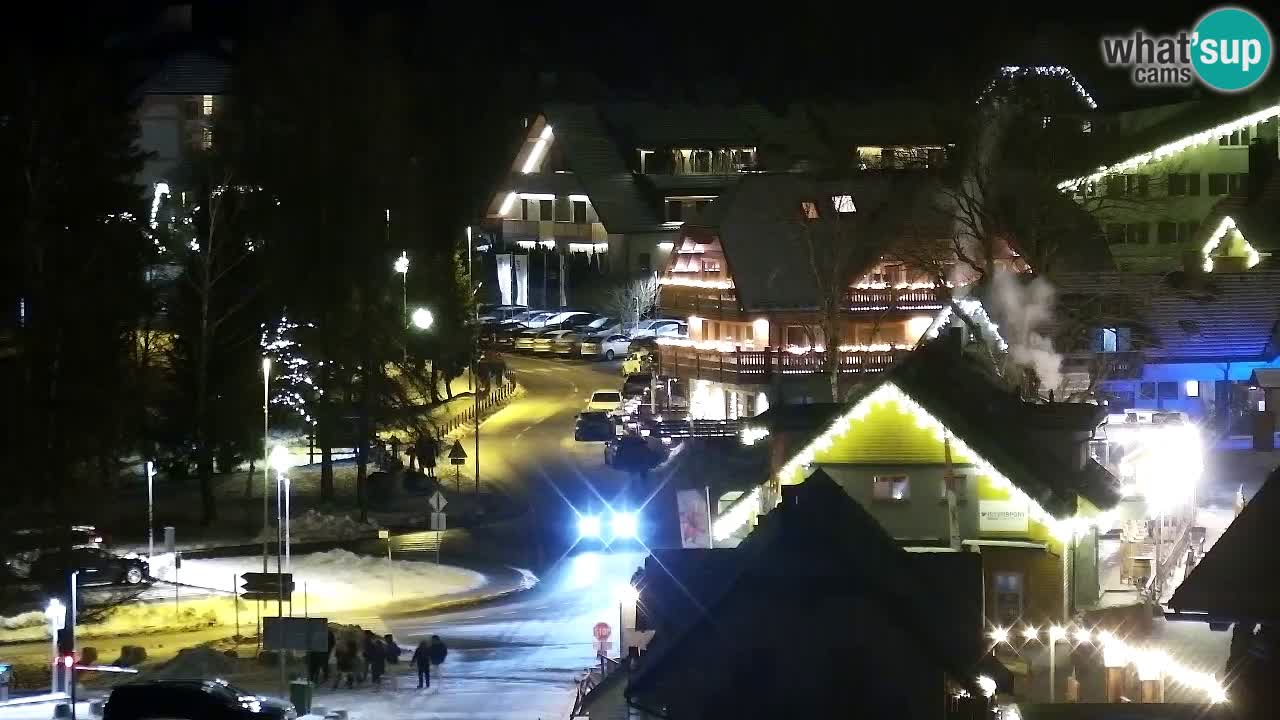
[1262,163]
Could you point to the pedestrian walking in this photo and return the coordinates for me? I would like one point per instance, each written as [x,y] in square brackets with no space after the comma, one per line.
[377,661]
[345,659]
[391,649]
[421,661]
[368,652]
[438,652]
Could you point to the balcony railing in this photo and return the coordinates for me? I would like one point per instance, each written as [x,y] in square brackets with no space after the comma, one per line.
[762,366]
[889,298]
[677,301]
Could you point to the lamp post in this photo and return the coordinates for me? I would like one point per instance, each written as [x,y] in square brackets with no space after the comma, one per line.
[280,463]
[1056,633]
[266,461]
[151,526]
[56,614]
[402,266]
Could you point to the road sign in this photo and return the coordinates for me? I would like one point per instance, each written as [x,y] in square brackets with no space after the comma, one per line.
[290,633]
[602,631]
[384,534]
[457,456]
[266,586]
[437,521]
[602,647]
[437,501]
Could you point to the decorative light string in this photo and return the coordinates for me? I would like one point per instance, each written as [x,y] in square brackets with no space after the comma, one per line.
[294,379]
[1201,138]
[1009,72]
[972,308]
[1227,225]
[688,282]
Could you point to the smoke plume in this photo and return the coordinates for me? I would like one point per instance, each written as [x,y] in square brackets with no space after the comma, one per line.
[1023,309]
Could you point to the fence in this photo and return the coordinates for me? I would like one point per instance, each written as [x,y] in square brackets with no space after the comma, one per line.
[488,400]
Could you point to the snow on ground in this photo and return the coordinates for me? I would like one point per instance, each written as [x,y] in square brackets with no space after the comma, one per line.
[334,580]
[316,525]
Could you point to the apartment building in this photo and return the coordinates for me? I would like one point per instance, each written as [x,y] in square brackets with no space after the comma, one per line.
[619,180]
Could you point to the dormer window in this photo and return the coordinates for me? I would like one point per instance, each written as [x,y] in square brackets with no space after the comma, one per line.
[844,203]
[809,210]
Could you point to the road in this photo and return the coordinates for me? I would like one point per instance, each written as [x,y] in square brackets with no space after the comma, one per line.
[518,658]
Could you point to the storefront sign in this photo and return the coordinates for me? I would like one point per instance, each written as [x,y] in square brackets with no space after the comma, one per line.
[1002,516]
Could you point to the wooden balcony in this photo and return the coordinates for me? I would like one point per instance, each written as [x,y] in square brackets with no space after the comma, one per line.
[763,366]
[716,304]
[871,299]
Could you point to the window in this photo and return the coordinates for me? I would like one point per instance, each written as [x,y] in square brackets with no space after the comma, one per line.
[546,209]
[710,266]
[809,209]
[528,209]
[1218,183]
[843,203]
[890,488]
[1108,339]
[1187,231]
[1238,138]
[1115,233]
[961,482]
[644,262]
[1115,185]
[580,211]
[797,335]
[1136,233]
[1167,233]
[1193,184]
[1177,184]
[1008,591]
[1168,391]
[1147,391]
[1191,388]
[563,211]
[1136,185]
[1238,182]
[1118,399]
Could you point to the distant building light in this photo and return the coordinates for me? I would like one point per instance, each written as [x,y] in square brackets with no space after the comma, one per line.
[507,202]
[844,203]
[666,246]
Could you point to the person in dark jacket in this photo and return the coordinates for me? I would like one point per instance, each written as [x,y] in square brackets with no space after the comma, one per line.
[378,662]
[391,649]
[369,649]
[345,659]
[421,660]
[437,653]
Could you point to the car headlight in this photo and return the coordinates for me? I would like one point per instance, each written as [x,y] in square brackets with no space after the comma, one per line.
[589,526]
[624,525]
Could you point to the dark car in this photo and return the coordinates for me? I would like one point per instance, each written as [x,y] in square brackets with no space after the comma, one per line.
[192,700]
[593,426]
[637,385]
[96,566]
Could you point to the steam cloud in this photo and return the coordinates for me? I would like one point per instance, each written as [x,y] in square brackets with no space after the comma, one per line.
[1023,308]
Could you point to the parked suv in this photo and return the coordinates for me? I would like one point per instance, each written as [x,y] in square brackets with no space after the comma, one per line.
[96,566]
[192,700]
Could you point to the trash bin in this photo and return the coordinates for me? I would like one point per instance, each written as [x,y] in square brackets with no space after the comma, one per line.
[300,695]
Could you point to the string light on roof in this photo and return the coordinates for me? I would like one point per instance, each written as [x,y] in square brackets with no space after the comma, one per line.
[1009,72]
[707,284]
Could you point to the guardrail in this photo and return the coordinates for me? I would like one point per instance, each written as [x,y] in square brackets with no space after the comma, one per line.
[489,399]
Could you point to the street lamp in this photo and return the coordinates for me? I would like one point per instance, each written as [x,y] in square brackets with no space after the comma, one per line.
[423,319]
[279,461]
[266,461]
[402,266]
[1056,634]
[56,614]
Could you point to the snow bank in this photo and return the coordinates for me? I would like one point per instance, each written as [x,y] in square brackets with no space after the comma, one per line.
[197,663]
[315,525]
[23,620]
[337,580]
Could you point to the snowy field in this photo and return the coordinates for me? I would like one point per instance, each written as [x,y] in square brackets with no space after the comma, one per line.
[332,580]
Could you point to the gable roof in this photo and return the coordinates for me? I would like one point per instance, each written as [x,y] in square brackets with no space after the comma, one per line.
[965,398]
[1239,578]
[856,554]
[191,72]
[1229,317]
[759,225]
[1255,214]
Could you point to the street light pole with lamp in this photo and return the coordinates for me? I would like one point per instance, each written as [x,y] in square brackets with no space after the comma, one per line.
[402,266]
[266,460]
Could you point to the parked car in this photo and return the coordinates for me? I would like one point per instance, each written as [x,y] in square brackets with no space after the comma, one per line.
[544,341]
[525,339]
[493,314]
[637,385]
[606,346]
[602,325]
[593,426]
[660,327]
[638,361]
[538,319]
[96,566]
[568,344]
[193,700]
[605,400]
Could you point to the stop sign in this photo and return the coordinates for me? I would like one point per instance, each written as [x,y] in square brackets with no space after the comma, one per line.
[602,631]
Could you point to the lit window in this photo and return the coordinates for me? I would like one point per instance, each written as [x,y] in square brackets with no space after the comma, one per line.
[843,203]
[1108,339]
[890,488]
[206,105]
[810,210]
[1192,388]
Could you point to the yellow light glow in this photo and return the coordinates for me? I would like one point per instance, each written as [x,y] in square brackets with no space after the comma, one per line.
[1031,633]
[999,635]
[1056,633]
[737,515]
[666,246]
[987,685]
[751,434]
[917,326]
[687,282]
[1201,138]
[1082,635]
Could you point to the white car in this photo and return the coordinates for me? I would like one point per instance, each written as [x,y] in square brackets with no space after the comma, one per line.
[604,401]
[657,328]
[606,346]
